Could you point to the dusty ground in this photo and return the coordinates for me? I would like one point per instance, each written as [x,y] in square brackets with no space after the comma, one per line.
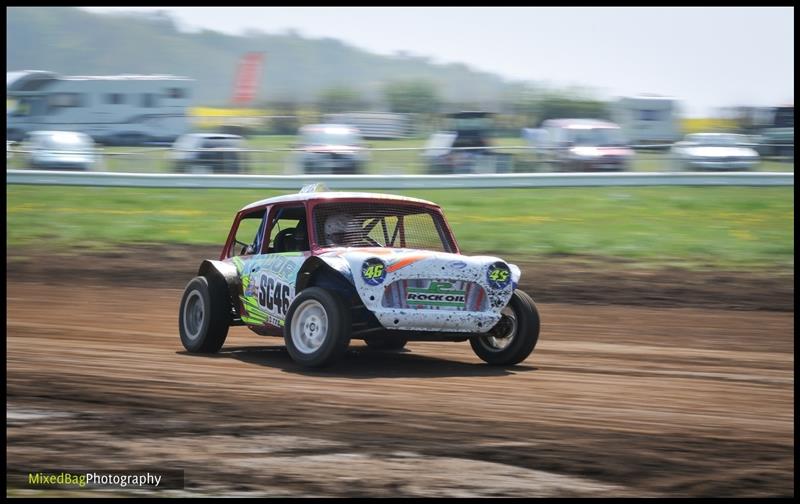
[684,397]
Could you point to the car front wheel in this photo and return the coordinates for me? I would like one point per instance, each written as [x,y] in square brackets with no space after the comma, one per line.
[514,337]
[204,315]
[317,328]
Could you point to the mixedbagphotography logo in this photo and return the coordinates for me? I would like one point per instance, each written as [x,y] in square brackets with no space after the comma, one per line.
[144,479]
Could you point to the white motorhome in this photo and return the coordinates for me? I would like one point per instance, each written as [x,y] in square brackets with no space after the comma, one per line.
[112,109]
[647,119]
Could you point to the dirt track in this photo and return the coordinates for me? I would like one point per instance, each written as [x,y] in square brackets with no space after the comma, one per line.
[615,401]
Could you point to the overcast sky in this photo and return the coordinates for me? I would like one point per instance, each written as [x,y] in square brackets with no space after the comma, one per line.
[706,56]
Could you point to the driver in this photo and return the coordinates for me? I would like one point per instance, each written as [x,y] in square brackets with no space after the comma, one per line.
[341,230]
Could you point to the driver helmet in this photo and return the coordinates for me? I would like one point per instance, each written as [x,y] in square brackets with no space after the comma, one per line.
[337,228]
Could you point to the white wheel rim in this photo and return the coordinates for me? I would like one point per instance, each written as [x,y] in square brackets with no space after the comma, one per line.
[500,343]
[309,326]
[193,314]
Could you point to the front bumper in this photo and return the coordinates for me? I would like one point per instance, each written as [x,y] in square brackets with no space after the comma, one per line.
[436,320]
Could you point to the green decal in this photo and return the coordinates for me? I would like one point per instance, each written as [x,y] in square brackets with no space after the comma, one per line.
[374,271]
[437,294]
[498,275]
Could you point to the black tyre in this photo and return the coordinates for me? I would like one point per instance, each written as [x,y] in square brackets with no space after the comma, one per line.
[205,315]
[317,328]
[514,337]
[385,342]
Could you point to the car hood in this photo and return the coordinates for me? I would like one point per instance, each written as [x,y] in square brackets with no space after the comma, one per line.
[602,151]
[719,151]
[338,149]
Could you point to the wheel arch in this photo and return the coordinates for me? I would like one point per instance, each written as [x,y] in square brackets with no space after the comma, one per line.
[330,273]
[227,273]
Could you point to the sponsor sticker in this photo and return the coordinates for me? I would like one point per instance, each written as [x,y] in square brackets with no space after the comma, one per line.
[498,275]
[459,265]
[373,271]
[437,294]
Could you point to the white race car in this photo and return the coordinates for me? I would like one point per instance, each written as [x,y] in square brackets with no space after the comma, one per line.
[322,268]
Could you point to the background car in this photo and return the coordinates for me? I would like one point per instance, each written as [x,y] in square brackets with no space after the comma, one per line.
[209,153]
[714,151]
[582,145]
[61,150]
[471,130]
[330,148]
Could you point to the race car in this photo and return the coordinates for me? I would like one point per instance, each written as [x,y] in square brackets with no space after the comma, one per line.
[320,268]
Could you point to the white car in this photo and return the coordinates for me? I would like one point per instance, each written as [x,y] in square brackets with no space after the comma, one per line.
[582,145]
[61,150]
[209,153]
[714,151]
[329,148]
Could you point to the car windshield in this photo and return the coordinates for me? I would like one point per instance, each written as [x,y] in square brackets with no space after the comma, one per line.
[715,139]
[212,143]
[331,136]
[596,137]
[375,224]
[482,124]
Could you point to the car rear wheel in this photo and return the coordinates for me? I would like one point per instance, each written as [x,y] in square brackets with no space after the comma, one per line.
[514,337]
[204,315]
[317,328]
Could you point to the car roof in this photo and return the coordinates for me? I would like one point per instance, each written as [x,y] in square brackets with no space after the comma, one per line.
[69,136]
[57,132]
[333,196]
[328,126]
[579,123]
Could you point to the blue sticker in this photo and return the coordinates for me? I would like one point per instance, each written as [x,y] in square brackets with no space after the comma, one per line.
[457,265]
[498,275]
[373,271]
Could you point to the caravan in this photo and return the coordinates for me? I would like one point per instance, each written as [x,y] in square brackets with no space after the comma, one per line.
[115,109]
[648,119]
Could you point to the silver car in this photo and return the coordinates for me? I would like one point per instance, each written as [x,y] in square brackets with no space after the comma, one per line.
[583,145]
[714,151]
[209,153]
[61,150]
[329,148]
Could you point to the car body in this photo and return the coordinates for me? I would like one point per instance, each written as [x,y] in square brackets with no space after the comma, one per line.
[329,148]
[209,153]
[392,272]
[714,151]
[465,146]
[584,145]
[777,137]
[60,150]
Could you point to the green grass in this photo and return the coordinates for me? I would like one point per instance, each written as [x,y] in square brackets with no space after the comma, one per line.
[146,159]
[738,227]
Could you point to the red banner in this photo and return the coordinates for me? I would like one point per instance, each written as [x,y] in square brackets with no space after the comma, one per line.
[246,84]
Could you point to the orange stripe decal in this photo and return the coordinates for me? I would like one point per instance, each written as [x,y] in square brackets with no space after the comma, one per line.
[402,263]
